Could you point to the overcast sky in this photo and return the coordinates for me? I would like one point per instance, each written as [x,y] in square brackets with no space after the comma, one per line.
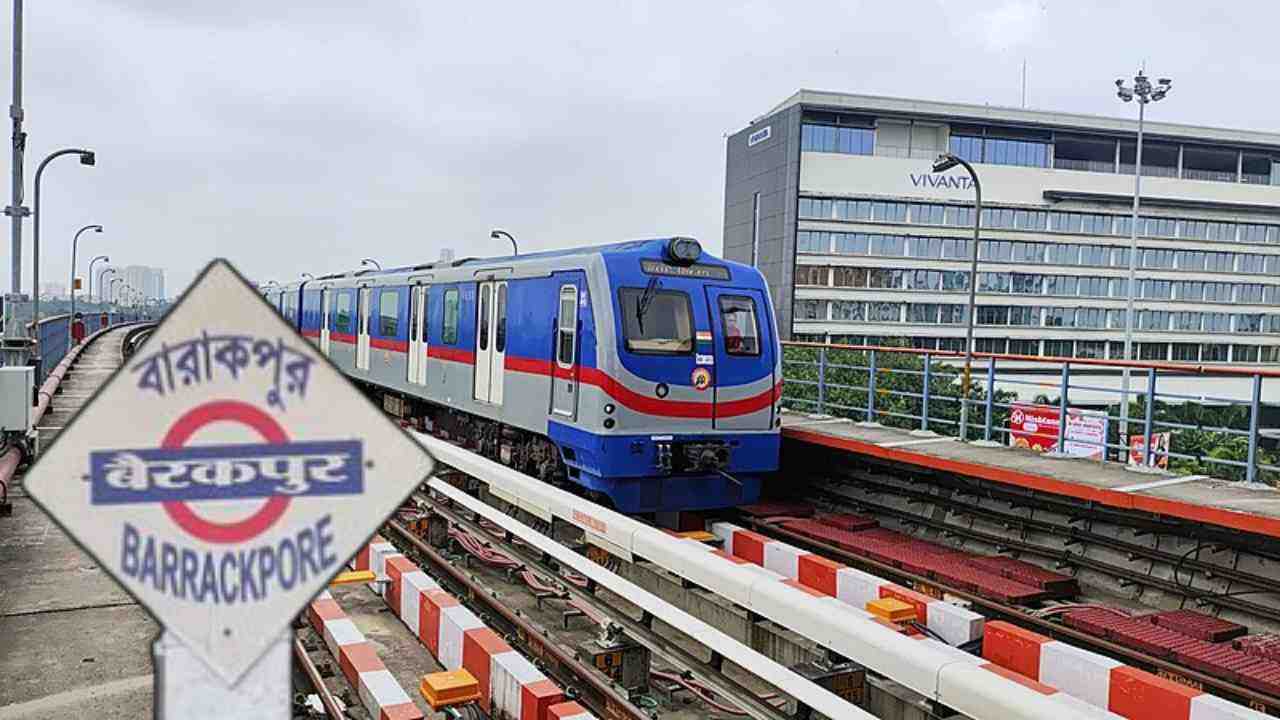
[300,137]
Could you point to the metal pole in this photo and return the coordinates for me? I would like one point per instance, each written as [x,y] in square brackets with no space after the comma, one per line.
[924,396]
[101,287]
[973,294]
[822,379]
[16,211]
[1255,405]
[1063,409]
[93,262]
[1133,270]
[871,387]
[35,240]
[991,398]
[75,241]
[1149,421]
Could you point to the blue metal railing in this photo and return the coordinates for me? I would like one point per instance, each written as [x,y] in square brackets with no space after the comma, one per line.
[1219,434]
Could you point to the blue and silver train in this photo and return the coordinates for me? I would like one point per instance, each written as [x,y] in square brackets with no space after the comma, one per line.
[647,372]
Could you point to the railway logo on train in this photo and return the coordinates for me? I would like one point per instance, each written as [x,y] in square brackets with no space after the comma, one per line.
[226,472]
[647,373]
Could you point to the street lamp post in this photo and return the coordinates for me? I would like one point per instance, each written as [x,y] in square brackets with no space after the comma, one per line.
[307,276]
[86,158]
[498,234]
[74,243]
[101,287]
[94,261]
[945,162]
[370,261]
[1144,92]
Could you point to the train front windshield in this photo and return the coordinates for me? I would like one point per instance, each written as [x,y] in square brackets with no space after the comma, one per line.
[657,321]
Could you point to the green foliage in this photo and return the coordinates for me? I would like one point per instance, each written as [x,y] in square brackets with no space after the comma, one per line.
[899,389]
[898,403]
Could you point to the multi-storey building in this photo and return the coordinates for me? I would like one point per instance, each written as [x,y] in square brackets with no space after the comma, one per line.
[832,197]
[147,280]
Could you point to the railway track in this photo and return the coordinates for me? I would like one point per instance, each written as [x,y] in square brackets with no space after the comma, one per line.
[864,492]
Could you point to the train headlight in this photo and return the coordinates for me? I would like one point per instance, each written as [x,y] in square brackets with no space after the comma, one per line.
[683,250]
[608,408]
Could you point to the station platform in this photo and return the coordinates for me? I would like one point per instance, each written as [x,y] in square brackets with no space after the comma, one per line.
[1195,498]
[71,639]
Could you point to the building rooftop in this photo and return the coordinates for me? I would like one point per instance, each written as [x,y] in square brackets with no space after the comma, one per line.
[950,111]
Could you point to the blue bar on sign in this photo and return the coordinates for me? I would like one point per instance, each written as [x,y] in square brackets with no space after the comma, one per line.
[226,472]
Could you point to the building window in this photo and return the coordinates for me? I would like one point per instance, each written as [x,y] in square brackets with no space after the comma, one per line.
[1153,351]
[852,243]
[884,312]
[1244,353]
[849,276]
[847,311]
[955,280]
[811,275]
[928,214]
[1058,348]
[995,346]
[888,245]
[1024,347]
[926,313]
[1248,323]
[1091,318]
[811,310]
[1059,317]
[810,241]
[1217,322]
[1216,352]
[1024,316]
[953,314]
[844,140]
[993,315]
[1186,352]
[1092,349]
[1188,321]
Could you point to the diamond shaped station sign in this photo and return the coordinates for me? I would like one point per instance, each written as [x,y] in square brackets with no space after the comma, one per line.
[226,473]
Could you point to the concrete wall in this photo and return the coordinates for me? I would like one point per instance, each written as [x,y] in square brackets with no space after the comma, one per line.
[770,167]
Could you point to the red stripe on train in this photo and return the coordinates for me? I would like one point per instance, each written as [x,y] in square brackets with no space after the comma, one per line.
[648,405]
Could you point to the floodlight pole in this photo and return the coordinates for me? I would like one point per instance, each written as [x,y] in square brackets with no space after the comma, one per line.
[945,162]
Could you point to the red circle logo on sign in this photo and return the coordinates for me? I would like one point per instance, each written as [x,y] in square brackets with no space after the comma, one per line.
[231,411]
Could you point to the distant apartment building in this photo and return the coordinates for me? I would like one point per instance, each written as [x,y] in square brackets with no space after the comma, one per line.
[832,196]
[147,280]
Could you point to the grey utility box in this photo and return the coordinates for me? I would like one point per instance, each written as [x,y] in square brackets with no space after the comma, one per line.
[16,386]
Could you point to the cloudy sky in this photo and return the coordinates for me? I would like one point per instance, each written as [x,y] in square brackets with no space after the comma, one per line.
[302,136]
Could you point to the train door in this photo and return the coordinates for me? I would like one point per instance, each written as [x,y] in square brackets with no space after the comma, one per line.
[418,335]
[324,321]
[564,365]
[744,349]
[362,328]
[491,341]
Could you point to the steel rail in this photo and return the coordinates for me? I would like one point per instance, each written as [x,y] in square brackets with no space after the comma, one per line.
[1263,584]
[639,631]
[605,697]
[313,673]
[1013,614]
[1065,556]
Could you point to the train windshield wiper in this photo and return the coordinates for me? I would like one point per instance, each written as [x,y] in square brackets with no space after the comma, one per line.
[645,299]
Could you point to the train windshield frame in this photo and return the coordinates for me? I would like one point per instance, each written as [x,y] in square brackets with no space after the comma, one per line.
[662,325]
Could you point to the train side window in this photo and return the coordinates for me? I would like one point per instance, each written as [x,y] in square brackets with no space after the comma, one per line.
[343,324]
[424,321]
[449,333]
[500,325]
[388,312]
[413,314]
[738,319]
[568,325]
[483,324]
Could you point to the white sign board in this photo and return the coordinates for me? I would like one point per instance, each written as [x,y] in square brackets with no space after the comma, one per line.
[226,473]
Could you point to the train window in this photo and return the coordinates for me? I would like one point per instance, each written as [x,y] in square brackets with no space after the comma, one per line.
[343,324]
[449,333]
[388,312]
[741,331]
[657,321]
[426,313]
[500,325]
[568,324]
[484,318]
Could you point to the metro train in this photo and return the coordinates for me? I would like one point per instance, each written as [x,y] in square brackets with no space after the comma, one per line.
[646,372]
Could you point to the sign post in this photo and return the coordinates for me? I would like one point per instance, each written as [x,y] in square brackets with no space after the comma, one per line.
[223,477]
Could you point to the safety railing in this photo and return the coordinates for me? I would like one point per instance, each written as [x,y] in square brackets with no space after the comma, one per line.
[1066,406]
[53,334]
